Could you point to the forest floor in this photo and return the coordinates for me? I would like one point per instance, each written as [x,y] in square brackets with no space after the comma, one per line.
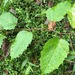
[31,17]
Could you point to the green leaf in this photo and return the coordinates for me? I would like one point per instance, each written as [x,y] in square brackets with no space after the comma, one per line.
[74,68]
[6,1]
[58,12]
[22,40]
[24,63]
[53,54]
[28,70]
[1,39]
[71,16]
[7,21]
[28,0]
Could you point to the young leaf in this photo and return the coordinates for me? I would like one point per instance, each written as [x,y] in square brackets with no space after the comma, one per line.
[7,21]
[1,39]
[53,54]
[71,16]
[28,70]
[58,12]
[24,63]
[74,68]
[22,40]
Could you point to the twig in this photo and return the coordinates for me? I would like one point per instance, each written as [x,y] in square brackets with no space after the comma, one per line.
[71,44]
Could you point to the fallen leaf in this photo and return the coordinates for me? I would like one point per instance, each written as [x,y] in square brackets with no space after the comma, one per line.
[1,57]
[5,47]
[51,25]
[66,26]
[38,2]
[12,10]
[50,3]
[6,72]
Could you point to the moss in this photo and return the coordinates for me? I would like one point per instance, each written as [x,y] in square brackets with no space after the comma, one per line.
[30,18]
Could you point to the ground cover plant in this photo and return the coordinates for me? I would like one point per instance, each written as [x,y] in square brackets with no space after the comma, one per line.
[37,37]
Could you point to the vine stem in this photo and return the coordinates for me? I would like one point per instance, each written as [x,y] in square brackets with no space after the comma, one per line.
[41,29]
[31,29]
